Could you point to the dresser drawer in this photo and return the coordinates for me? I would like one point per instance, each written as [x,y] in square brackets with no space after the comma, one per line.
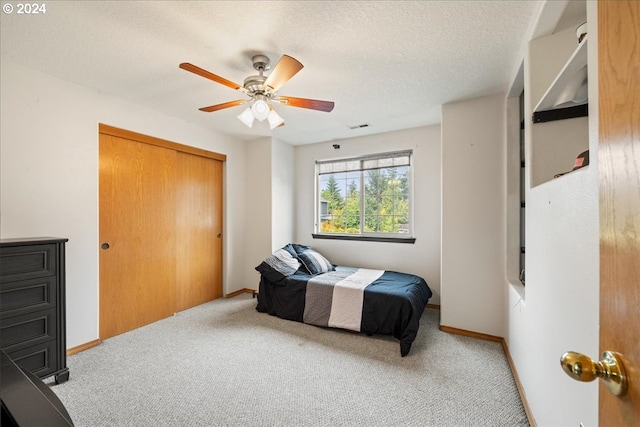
[27,330]
[41,359]
[26,262]
[27,296]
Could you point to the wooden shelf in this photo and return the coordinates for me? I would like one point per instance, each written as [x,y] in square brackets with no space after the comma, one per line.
[576,62]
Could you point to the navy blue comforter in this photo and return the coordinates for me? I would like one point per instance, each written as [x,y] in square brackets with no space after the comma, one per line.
[393,304]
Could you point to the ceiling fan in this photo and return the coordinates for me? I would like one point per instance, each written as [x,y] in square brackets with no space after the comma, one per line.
[262,91]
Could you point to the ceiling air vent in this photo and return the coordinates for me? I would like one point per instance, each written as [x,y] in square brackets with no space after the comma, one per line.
[360,126]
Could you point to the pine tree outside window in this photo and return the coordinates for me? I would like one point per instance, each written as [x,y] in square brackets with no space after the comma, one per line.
[366,196]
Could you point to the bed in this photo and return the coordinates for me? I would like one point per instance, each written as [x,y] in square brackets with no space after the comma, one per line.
[298,283]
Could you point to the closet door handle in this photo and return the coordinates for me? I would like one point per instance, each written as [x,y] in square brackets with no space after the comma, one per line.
[219,235]
[105,246]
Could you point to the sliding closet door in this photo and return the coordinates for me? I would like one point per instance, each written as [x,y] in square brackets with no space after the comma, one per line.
[198,230]
[160,229]
[137,234]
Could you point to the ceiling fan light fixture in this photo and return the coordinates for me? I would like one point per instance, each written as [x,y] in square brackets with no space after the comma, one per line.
[246,117]
[274,119]
[260,108]
[262,91]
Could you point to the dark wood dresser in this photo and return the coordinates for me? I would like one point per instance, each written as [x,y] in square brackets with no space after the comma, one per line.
[32,305]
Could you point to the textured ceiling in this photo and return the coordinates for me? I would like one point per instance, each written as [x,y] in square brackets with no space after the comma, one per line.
[391,64]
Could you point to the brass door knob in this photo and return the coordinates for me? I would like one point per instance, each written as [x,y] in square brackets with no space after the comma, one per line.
[610,369]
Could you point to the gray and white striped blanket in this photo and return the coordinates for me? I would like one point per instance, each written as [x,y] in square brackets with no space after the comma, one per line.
[335,299]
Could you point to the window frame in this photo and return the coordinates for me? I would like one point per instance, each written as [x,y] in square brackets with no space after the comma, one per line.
[408,237]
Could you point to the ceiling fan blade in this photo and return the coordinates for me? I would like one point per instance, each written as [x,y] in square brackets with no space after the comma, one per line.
[286,68]
[217,107]
[312,104]
[206,74]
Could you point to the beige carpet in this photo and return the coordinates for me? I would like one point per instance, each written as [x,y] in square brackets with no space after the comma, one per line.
[225,364]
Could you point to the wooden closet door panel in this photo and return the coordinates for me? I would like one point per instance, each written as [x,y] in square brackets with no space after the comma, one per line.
[199,230]
[137,221]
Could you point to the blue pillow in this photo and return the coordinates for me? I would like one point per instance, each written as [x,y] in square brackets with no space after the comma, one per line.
[279,265]
[289,248]
[314,262]
[298,249]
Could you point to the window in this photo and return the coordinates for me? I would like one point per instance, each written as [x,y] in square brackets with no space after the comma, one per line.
[367,196]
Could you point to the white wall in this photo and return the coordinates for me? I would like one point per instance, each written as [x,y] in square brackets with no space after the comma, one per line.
[269,197]
[559,311]
[473,215]
[282,194]
[421,258]
[49,176]
[258,208]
